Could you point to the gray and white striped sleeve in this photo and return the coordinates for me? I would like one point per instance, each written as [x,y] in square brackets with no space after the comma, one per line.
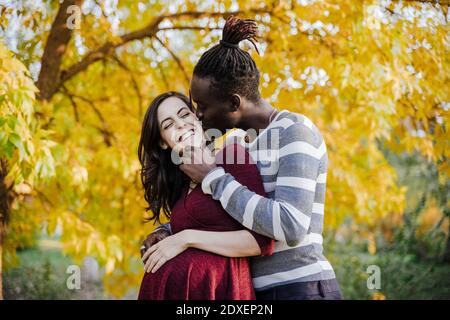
[164,226]
[287,216]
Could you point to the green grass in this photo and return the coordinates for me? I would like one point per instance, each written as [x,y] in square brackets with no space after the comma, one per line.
[41,274]
[402,276]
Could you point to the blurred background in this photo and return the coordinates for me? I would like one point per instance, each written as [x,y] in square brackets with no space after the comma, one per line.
[77,76]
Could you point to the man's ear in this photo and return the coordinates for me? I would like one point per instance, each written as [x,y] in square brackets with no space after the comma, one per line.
[235,102]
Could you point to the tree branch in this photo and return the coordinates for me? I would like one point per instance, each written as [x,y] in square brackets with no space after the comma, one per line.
[74,104]
[104,50]
[176,58]
[147,32]
[189,28]
[441,2]
[161,70]
[133,81]
[106,133]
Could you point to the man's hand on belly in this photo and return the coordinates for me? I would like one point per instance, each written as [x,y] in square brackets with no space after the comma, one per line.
[164,250]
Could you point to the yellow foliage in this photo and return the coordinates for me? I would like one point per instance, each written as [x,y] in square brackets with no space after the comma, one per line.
[430,218]
[372,246]
[378,296]
[363,81]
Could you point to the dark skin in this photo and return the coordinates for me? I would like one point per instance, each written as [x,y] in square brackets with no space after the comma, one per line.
[235,112]
[152,239]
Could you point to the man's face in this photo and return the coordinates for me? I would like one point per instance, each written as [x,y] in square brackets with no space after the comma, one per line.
[213,113]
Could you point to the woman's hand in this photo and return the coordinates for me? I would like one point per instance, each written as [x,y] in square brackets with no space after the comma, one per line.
[164,250]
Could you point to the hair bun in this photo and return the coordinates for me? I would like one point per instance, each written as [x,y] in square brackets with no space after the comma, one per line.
[236,30]
[229,45]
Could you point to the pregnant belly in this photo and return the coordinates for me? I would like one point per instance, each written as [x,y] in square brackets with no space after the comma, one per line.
[196,274]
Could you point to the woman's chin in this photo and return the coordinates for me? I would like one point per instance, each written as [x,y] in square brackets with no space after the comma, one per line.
[197,140]
[192,141]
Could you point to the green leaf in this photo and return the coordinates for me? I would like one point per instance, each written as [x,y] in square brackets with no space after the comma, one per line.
[17,142]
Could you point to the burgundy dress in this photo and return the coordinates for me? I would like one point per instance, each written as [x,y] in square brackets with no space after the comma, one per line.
[197,274]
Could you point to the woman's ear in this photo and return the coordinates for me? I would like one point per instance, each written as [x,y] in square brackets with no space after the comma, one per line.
[163,145]
[235,102]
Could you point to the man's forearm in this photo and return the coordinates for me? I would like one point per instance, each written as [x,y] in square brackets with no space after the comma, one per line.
[287,215]
[228,243]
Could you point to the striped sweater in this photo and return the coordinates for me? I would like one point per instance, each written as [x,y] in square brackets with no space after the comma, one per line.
[292,158]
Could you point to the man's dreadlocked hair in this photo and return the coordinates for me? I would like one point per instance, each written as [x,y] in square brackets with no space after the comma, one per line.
[232,70]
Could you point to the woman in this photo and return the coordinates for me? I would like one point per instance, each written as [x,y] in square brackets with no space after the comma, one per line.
[197,264]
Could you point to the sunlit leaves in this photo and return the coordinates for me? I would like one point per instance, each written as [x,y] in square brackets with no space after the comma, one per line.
[24,147]
[368,73]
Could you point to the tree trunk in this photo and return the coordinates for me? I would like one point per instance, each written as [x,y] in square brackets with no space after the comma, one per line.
[57,41]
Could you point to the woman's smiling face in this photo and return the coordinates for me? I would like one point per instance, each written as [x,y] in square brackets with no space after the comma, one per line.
[178,124]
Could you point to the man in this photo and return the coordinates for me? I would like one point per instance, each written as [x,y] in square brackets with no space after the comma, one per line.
[291,156]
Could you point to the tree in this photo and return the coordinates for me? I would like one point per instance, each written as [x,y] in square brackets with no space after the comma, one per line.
[25,150]
[368,73]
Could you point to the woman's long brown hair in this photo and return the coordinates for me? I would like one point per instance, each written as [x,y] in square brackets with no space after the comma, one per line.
[163,181]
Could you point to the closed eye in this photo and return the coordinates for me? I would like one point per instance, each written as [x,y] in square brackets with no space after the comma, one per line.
[168,126]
